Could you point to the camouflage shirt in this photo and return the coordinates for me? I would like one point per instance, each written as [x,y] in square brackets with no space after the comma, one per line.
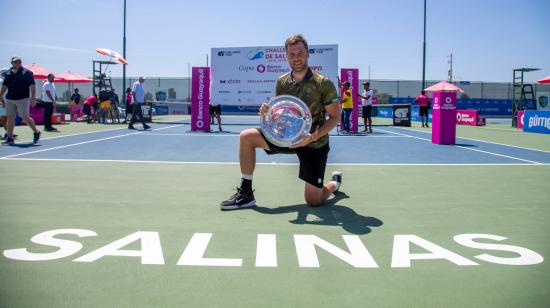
[317,91]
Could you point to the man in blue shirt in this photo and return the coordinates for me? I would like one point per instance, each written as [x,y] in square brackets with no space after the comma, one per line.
[18,81]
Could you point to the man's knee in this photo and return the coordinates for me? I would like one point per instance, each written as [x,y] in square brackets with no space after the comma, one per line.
[252,137]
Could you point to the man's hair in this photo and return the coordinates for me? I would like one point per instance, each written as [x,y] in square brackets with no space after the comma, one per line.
[51,75]
[15,58]
[423,92]
[295,39]
[367,83]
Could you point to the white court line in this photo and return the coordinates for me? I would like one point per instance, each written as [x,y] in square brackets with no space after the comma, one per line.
[476,150]
[273,163]
[85,142]
[504,144]
[237,135]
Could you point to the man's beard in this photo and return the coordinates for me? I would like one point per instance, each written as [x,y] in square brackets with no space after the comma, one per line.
[300,68]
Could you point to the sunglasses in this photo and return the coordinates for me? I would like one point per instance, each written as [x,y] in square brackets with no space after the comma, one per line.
[17,61]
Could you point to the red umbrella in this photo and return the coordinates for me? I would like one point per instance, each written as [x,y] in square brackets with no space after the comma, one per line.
[443,86]
[544,80]
[72,77]
[112,54]
[38,71]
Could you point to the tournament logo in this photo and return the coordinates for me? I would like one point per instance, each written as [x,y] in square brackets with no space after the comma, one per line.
[255,55]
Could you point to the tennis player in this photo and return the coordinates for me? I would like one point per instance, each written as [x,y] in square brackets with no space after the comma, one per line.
[319,93]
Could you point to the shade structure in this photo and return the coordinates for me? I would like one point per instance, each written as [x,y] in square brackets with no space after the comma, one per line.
[112,54]
[38,71]
[444,86]
[72,77]
[545,80]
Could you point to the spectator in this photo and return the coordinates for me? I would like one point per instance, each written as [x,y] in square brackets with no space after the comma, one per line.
[18,81]
[128,105]
[347,106]
[75,98]
[49,98]
[139,100]
[366,106]
[216,111]
[424,105]
[89,104]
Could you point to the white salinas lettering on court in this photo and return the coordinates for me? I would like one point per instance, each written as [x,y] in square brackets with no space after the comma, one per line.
[306,245]
[150,252]
[358,255]
[401,256]
[526,256]
[66,247]
[193,254]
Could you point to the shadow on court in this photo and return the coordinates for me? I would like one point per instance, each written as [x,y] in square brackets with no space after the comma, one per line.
[328,214]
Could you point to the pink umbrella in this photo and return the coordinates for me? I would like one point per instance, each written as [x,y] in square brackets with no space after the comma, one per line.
[544,80]
[38,71]
[72,77]
[112,54]
[443,86]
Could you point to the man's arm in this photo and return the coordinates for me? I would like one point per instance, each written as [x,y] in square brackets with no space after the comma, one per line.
[33,95]
[2,95]
[333,117]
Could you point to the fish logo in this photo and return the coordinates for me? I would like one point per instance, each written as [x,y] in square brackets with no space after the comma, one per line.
[255,55]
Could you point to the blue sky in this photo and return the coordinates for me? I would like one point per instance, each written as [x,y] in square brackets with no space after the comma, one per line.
[487,38]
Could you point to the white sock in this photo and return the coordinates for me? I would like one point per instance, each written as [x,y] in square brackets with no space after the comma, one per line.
[246,176]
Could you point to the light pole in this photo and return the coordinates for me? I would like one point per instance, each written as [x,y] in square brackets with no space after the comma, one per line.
[424,52]
[124,56]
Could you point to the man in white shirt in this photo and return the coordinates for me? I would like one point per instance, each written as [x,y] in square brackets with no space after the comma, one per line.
[366,103]
[49,98]
[139,99]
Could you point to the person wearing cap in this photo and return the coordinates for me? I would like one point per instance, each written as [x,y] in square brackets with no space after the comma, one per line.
[366,106]
[18,81]
[49,98]
[139,99]
[347,106]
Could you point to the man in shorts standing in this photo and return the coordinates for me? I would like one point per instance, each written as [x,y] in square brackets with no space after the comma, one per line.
[319,93]
[18,81]
[215,110]
[424,104]
[366,106]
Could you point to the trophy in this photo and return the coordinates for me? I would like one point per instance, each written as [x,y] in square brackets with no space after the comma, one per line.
[287,121]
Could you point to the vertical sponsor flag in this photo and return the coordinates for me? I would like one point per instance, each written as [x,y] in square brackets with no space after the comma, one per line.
[200,99]
[352,75]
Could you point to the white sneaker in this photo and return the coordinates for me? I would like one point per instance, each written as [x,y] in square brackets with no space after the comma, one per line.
[337,177]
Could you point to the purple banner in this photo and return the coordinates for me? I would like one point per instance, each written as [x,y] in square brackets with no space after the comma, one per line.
[352,75]
[200,99]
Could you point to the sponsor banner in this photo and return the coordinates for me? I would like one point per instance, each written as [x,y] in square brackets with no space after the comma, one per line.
[402,115]
[444,118]
[536,121]
[466,117]
[200,99]
[542,101]
[247,75]
[520,119]
[352,75]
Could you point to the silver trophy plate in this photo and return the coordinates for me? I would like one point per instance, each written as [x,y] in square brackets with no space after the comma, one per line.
[287,121]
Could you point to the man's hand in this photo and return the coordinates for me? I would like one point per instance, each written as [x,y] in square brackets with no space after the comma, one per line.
[309,138]
[263,109]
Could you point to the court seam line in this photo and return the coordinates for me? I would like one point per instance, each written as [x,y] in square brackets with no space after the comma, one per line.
[503,144]
[85,142]
[236,135]
[272,163]
[481,151]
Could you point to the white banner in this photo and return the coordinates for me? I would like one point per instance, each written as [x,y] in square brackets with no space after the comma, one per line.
[247,75]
